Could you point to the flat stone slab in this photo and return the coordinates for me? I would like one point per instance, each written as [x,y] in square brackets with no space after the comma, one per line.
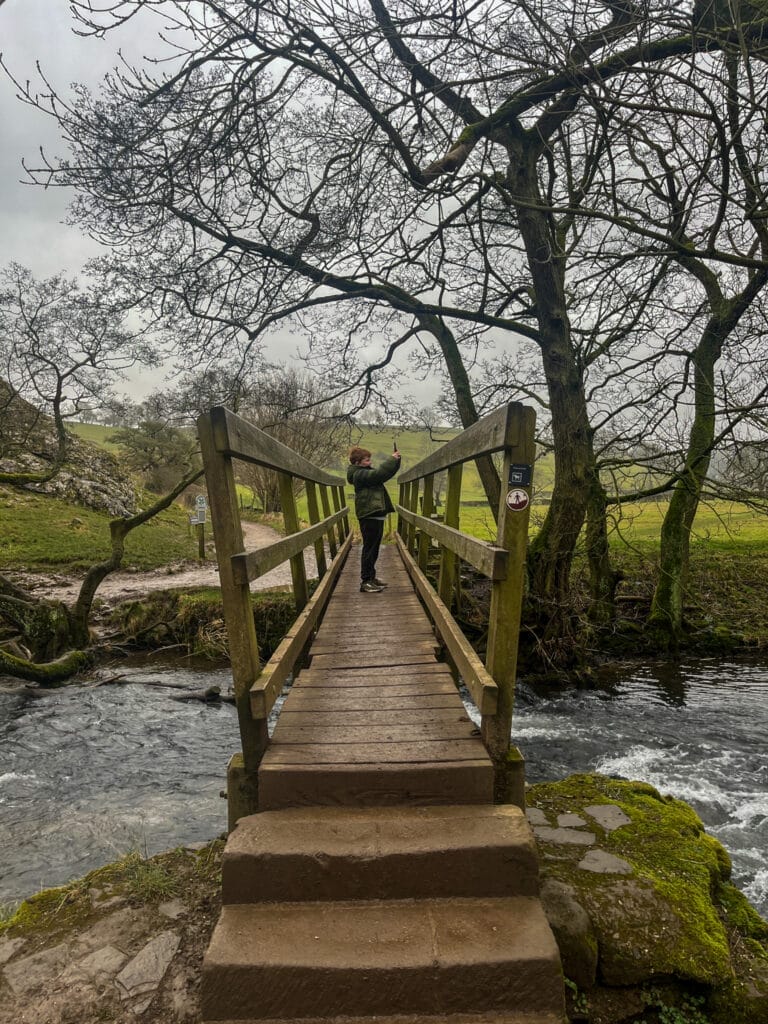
[9,948]
[536,816]
[120,928]
[608,816]
[173,909]
[101,965]
[143,974]
[563,836]
[570,820]
[38,969]
[602,863]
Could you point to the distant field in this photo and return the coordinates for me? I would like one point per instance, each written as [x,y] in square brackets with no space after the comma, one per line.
[719,525]
[95,433]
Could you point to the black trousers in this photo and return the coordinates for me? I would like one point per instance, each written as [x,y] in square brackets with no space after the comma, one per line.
[372,531]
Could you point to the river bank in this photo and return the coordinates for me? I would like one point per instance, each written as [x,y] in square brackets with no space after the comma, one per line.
[637,895]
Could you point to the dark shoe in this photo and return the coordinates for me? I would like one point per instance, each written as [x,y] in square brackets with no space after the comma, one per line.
[370,587]
[378,582]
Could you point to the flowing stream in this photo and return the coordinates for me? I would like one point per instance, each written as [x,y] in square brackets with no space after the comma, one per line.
[88,774]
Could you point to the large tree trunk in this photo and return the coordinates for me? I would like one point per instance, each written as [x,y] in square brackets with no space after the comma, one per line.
[603,578]
[465,403]
[666,615]
[552,550]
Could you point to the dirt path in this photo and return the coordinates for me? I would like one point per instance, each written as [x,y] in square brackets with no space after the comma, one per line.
[126,584]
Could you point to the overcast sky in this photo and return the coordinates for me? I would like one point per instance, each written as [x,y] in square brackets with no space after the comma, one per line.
[32,219]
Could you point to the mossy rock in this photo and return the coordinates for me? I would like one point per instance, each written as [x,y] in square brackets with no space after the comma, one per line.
[195,619]
[667,913]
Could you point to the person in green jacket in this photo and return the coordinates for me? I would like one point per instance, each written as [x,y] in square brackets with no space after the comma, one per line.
[372,505]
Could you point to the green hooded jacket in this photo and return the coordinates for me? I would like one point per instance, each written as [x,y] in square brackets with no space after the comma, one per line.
[371,498]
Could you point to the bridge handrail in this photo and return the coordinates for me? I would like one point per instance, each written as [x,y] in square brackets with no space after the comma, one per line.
[224,436]
[493,433]
[240,439]
[487,558]
[509,430]
[479,682]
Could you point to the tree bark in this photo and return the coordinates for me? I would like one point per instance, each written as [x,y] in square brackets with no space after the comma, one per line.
[552,550]
[603,578]
[666,614]
[465,403]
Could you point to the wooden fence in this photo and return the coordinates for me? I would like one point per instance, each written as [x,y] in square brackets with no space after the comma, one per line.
[225,437]
[509,431]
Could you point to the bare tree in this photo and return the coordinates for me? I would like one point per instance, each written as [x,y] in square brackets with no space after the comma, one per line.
[63,345]
[411,178]
[287,404]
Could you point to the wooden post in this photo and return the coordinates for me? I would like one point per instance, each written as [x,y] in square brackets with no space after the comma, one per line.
[291,518]
[200,530]
[345,518]
[325,501]
[338,504]
[427,508]
[412,501]
[314,517]
[507,594]
[446,579]
[402,499]
[236,598]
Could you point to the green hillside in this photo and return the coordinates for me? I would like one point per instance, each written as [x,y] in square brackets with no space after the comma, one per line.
[95,433]
[38,531]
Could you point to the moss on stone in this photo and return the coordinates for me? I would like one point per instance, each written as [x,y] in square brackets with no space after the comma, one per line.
[136,878]
[676,916]
[195,619]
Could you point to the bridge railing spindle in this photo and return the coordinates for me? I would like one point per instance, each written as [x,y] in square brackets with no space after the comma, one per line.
[448,561]
[314,517]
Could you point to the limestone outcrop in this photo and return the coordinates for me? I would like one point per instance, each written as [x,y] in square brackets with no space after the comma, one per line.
[90,475]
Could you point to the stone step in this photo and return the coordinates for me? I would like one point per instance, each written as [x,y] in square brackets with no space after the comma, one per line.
[333,853]
[374,784]
[364,958]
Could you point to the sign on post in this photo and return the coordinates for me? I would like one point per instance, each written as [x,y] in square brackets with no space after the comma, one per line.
[198,520]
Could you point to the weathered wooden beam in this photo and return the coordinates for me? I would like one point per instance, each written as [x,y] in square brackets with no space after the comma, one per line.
[325,501]
[239,439]
[507,594]
[427,508]
[291,520]
[486,558]
[236,598]
[490,434]
[448,564]
[249,565]
[266,689]
[314,517]
[469,666]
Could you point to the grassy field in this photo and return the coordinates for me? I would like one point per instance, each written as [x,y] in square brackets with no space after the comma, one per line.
[40,532]
[96,434]
[719,526]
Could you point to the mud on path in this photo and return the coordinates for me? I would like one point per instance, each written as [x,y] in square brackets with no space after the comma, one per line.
[127,584]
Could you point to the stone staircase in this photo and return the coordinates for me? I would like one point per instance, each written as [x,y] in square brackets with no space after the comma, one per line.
[398,915]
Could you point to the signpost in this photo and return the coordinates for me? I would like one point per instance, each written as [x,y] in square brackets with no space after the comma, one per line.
[198,520]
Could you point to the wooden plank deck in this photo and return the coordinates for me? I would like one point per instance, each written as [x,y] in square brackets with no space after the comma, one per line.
[375,719]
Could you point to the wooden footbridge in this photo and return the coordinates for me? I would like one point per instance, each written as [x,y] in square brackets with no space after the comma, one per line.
[379,865]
